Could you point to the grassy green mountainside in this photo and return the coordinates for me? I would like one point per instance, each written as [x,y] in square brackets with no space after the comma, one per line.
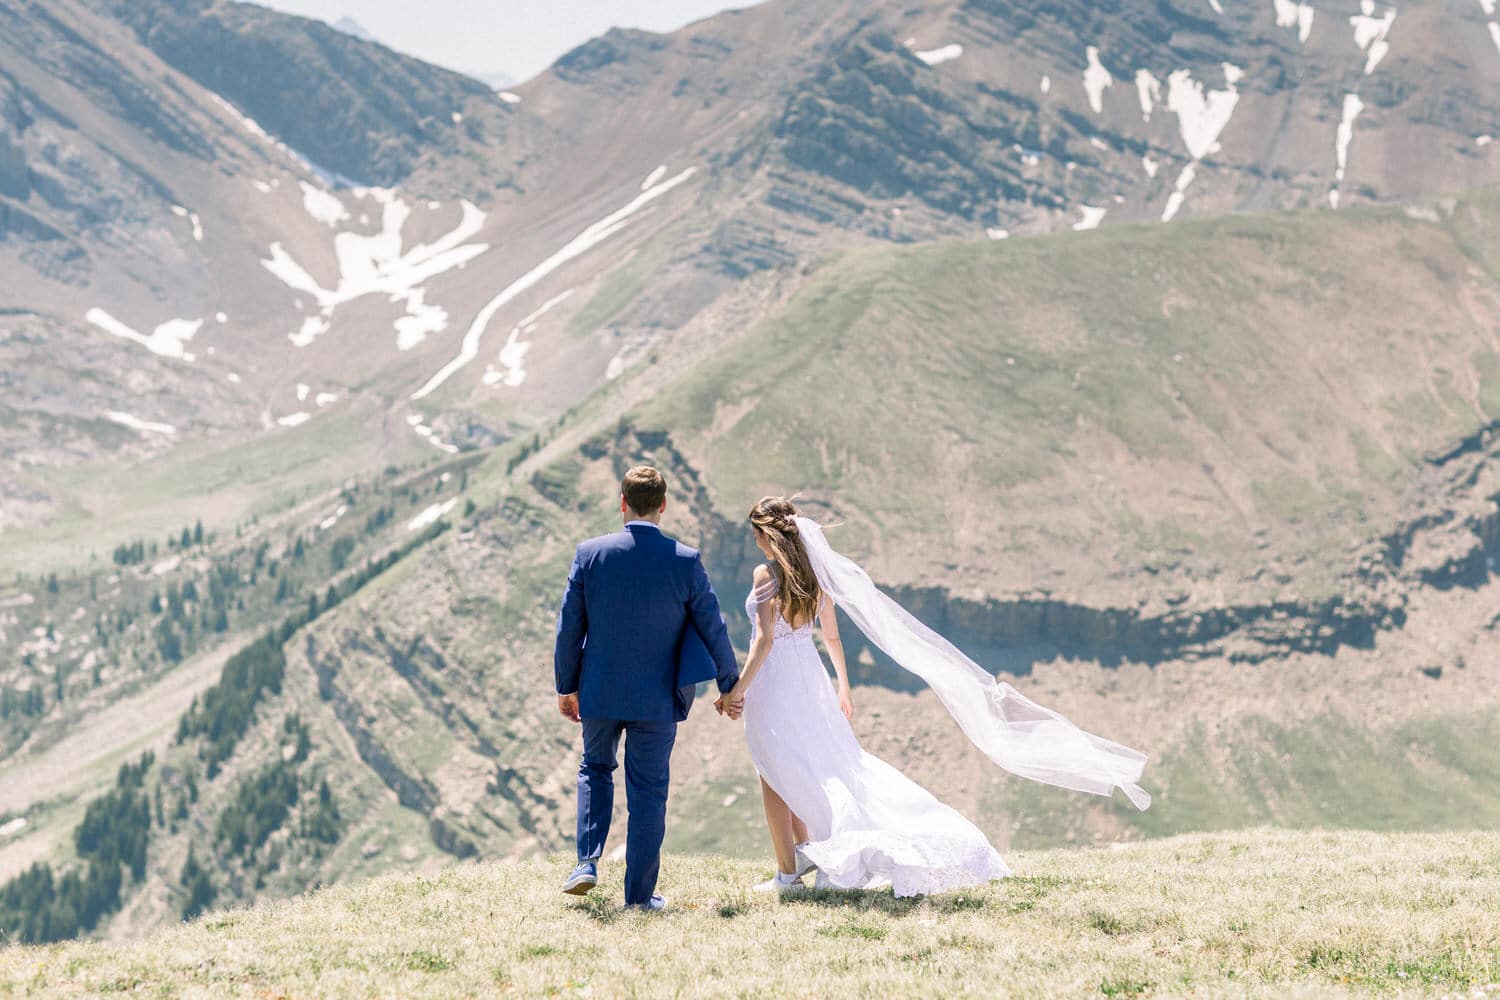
[1223,490]
[1259,913]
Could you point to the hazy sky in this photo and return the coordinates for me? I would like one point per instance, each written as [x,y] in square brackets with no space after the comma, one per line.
[519,37]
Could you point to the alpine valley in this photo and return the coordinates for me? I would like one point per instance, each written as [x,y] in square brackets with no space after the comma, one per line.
[1148,349]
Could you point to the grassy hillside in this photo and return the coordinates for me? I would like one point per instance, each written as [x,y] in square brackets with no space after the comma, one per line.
[1119,413]
[1258,913]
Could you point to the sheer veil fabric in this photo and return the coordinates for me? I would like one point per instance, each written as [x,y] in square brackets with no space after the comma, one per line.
[1015,732]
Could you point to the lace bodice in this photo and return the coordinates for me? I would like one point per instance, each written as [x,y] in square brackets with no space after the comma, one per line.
[783,629]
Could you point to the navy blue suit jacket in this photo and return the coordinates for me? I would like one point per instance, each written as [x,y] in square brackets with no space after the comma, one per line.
[630,597]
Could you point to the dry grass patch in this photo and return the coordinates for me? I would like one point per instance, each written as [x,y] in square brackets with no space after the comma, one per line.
[1254,913]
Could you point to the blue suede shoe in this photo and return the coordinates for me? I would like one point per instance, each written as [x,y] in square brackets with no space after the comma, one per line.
[584,878]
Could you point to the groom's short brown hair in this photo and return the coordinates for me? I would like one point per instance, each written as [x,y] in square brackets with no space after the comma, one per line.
[644,490]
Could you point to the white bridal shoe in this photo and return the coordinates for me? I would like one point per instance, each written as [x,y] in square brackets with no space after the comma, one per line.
[780,883]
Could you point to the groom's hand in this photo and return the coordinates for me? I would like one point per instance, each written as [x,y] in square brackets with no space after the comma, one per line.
[567,704]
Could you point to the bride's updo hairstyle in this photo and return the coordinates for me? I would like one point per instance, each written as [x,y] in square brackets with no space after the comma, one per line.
[774,519]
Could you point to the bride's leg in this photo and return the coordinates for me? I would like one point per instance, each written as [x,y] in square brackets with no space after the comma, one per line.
[780,821]
[799,830]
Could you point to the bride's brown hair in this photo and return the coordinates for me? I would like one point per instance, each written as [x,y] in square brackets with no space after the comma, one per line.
[775,518]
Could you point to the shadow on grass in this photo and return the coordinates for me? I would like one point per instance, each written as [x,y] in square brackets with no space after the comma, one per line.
[598,908]
[1016,894]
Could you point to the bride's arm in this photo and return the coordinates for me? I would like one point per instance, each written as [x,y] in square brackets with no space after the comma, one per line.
[828,621]
[765,635]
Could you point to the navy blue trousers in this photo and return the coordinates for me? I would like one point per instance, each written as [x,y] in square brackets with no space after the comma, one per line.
[648,754]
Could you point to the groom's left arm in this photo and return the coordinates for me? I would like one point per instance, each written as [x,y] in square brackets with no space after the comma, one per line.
[572,626]
[703,607]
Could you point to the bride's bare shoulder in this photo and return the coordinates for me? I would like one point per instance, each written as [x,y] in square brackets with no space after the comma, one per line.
[763,584]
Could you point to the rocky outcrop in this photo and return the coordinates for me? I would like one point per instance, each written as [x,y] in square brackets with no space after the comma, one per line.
[877,120]
[1010,634]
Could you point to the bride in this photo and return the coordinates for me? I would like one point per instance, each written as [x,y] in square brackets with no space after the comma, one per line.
[832,807]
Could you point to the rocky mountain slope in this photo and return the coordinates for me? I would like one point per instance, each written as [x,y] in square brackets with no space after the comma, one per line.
[1223,488]
[175,185]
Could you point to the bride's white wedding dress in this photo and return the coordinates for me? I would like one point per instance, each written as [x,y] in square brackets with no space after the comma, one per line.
[869,824]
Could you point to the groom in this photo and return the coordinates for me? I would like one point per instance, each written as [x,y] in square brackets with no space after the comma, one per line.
[637,604]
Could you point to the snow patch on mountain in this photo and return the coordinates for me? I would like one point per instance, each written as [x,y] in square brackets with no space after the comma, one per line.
[546,307]
[1495,34]
[1179,191]
[420,321]
[510,98]
[376,264]
[294,419]
[416,422]
[1091,218]
[1291,14]
[1370,33]
[1148,89]
[312,328]
[946,53]
[1095,79]
[512,359]
[654,177]
[430,515]
[1150,166]
[579,245]
[168,339]
[1345,135]
[323,206]
[137,424]
[1202,114]
[249,124]
[1046,84]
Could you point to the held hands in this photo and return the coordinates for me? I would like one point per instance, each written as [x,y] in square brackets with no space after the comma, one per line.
[731,703]
[567,704]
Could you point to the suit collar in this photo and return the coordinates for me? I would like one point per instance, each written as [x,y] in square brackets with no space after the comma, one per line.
[642,525]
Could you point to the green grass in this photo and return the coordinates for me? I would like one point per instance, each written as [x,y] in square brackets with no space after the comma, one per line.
[1256,913]
[624,284]
[1031,393]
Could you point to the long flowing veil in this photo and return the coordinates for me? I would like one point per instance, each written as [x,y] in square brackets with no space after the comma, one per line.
[1012,730]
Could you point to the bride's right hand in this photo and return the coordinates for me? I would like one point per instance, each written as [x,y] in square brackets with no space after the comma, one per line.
[846,703]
